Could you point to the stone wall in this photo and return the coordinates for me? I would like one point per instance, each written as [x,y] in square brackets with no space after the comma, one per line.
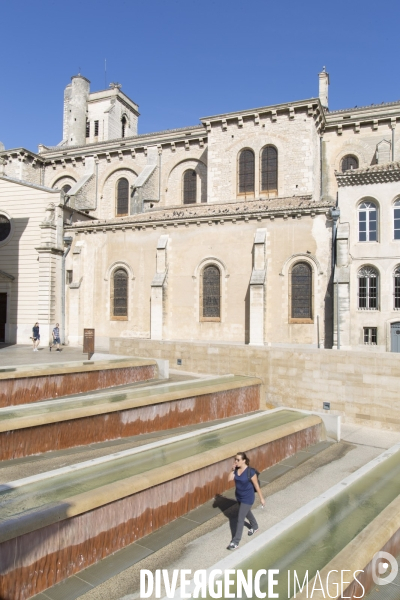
[225,242]
[293,135]
[362,387]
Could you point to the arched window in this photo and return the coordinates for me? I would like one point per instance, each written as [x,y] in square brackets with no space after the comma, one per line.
[65,188]
[396,220]
[269,169]
[122,208]
[301,291]
[349,162]
[367,289]
[210,301]
[189,187]
[367,222]
[123,126]
[246,172]
[119,299]
[396,288]
[5,227]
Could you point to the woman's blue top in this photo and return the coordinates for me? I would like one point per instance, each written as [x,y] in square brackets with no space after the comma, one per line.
[35,331]
[244,488]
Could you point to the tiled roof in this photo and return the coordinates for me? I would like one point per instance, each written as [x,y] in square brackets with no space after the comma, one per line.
[209,212]
[374,174]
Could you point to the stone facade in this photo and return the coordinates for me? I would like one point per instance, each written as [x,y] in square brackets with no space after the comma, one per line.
[31,257]
[379,186]
[254,236]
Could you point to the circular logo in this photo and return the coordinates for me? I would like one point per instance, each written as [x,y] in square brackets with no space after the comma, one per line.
[384,568]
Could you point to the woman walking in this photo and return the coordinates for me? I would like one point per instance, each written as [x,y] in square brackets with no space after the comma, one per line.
[246,483]
[35,337]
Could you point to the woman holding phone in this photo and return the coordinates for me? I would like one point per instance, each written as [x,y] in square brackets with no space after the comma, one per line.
[246,484]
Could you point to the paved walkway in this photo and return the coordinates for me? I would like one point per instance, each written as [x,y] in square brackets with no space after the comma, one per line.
[18,354]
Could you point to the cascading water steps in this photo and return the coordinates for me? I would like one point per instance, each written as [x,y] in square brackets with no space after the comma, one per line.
[113,414]
[94,509]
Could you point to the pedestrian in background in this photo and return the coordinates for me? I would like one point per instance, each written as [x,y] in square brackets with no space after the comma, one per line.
[35,336]
[56,338]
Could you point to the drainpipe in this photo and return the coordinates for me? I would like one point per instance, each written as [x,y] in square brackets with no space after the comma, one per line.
[335,214]
[337,315]
[67,242]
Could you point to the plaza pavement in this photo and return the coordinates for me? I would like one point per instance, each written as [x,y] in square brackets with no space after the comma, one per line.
[19,354]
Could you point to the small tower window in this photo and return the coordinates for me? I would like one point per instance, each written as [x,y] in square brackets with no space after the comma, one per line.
[189,187]
[96,129]
[123,126]
[87,129]
[349,162]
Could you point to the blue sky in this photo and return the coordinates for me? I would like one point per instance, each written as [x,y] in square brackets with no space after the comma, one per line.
[183,59]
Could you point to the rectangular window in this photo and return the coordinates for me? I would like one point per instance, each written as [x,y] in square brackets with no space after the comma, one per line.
[367,293]
[87,129]
[96,129]
[68,277]
[397,291]
[397,223]
[370,336]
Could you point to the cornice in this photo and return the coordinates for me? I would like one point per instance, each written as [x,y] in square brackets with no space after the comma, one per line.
[363,116]
[211,214]
[375,174]
[128,143]
[22,154]
[313,102]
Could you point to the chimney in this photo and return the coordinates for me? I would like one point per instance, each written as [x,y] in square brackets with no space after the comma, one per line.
[323,87]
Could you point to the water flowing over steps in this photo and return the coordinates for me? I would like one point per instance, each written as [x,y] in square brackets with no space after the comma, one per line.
[58,522]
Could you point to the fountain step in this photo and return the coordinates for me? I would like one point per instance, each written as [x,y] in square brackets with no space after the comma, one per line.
[76,516]
[67,422]
[19,468]
[93,576]
[33,383]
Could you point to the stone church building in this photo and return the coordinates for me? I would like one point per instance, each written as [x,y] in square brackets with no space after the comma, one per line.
[274,225]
